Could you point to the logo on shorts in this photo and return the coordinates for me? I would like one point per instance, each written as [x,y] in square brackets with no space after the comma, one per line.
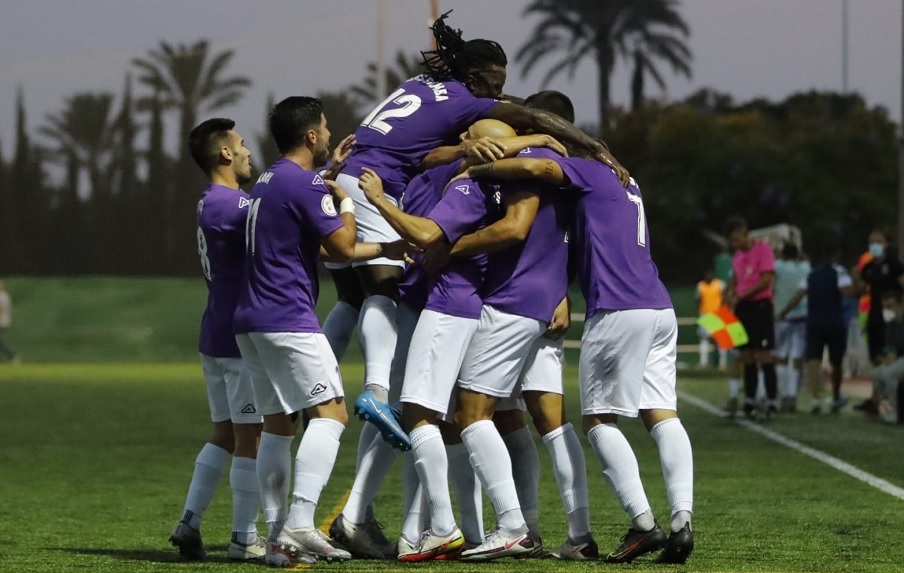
[328,206]
[318,389]
[249,409]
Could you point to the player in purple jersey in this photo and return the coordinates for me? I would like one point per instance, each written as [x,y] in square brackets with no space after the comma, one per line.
[631,331]
[463,81]
[221,153]
[293,212]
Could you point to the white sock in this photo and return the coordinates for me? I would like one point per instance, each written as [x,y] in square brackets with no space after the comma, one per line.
[490,460]
[620,469]
[704,352]
[793,381]
[209,466]
[677,467]
[734,387]
[313,465]
[246,498]
[781,375]
[414,503]
[338,327]
[467,493]
[372,469]
[570,469]
[723,358]
[526,472]
[378,332]
[433,470]
[365,437]
[760,385]
[274,468]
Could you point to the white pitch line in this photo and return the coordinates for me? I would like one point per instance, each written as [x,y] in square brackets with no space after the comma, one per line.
[831,461]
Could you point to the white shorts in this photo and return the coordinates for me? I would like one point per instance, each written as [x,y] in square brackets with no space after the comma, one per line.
[372,227]
[627,362]
[438,348]
[229,391]
[406,322]
[543,370]
[290,371]
[498,352]
[790,339]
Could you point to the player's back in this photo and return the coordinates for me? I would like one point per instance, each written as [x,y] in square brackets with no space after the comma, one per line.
[530,278]
[421,115]
[221,246]
[291,209]
[612,241]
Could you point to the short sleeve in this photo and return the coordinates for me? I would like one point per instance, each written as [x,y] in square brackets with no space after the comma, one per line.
[463,205]
[575,175]
[235,213]
[464,109]
[316,204]
[766,258]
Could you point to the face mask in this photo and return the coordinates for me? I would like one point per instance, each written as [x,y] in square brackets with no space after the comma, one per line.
[876,249]
[888,315]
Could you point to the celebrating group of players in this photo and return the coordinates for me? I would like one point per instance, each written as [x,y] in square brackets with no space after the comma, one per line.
[453,261]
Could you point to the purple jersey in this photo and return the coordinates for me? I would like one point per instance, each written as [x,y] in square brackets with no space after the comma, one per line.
[456,290]
[221,244]
[530,279]
[421,196]
[420,116]
[613,242]
[291,210]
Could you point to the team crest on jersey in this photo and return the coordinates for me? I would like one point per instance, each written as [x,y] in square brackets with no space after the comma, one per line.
[328,206]
[464,189]
[318,180]
[243,202]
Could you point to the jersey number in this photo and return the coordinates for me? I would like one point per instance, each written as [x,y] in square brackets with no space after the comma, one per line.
[251,224]
[202,251]
[377,118]
[641,219]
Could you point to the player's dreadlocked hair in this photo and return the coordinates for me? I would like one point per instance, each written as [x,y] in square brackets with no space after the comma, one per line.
[455,57]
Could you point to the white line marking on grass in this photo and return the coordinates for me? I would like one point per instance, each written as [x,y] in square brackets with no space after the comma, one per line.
[831,461]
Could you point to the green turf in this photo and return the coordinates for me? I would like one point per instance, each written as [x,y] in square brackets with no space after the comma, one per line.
[95,461]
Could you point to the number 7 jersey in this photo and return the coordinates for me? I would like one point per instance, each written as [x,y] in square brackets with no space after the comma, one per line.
[421,115]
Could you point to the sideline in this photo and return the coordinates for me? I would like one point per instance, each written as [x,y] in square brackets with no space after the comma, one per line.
[823,457]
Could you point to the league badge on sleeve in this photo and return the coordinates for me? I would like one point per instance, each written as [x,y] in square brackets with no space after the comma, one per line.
[328,206]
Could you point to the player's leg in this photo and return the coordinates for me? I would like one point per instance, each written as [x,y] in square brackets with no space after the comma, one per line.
[658,410]
[247,424]
[783,337]
[464,484]
[525,466]
[704,345]
[209,464]
[307,376]
[618,342]
[341,321]
[764,335]
[836,344]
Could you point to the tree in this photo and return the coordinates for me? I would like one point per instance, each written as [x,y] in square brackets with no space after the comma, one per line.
[607,30]
[404,67]
[192,80]
[30,226]
[342,115]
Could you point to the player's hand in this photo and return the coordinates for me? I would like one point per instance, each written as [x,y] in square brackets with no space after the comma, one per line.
[342,151]
[620,172]
[484,149]
[436,258]
[336,191]
[551,142]
[372,186]
[561,320]
[397,250]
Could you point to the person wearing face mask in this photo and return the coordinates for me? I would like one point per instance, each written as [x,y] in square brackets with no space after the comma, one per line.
[887,376]
[884,272]
[825,289]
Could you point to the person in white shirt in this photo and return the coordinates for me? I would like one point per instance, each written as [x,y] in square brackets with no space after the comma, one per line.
[6,320]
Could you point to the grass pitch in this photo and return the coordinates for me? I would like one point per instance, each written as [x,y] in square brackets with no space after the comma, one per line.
[95,461]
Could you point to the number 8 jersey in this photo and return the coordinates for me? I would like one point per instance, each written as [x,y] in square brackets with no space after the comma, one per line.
[420,116]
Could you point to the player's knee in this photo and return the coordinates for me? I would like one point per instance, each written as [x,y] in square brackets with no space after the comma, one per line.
[508,421]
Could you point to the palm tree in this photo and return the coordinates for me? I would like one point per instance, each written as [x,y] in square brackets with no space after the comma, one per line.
[607,30]
[404,67]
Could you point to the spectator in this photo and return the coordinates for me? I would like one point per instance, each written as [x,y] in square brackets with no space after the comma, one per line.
[884,272]
[825,289]
[790,331]
[709,295]
[6,320]
[750,292]
[887,376]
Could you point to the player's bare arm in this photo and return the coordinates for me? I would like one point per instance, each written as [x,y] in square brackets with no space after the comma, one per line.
[486,149]
[561,320]
[521,117]
[340,244]
[340,155]
[520,212]
[419,231]
[545,170]
[395,250]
